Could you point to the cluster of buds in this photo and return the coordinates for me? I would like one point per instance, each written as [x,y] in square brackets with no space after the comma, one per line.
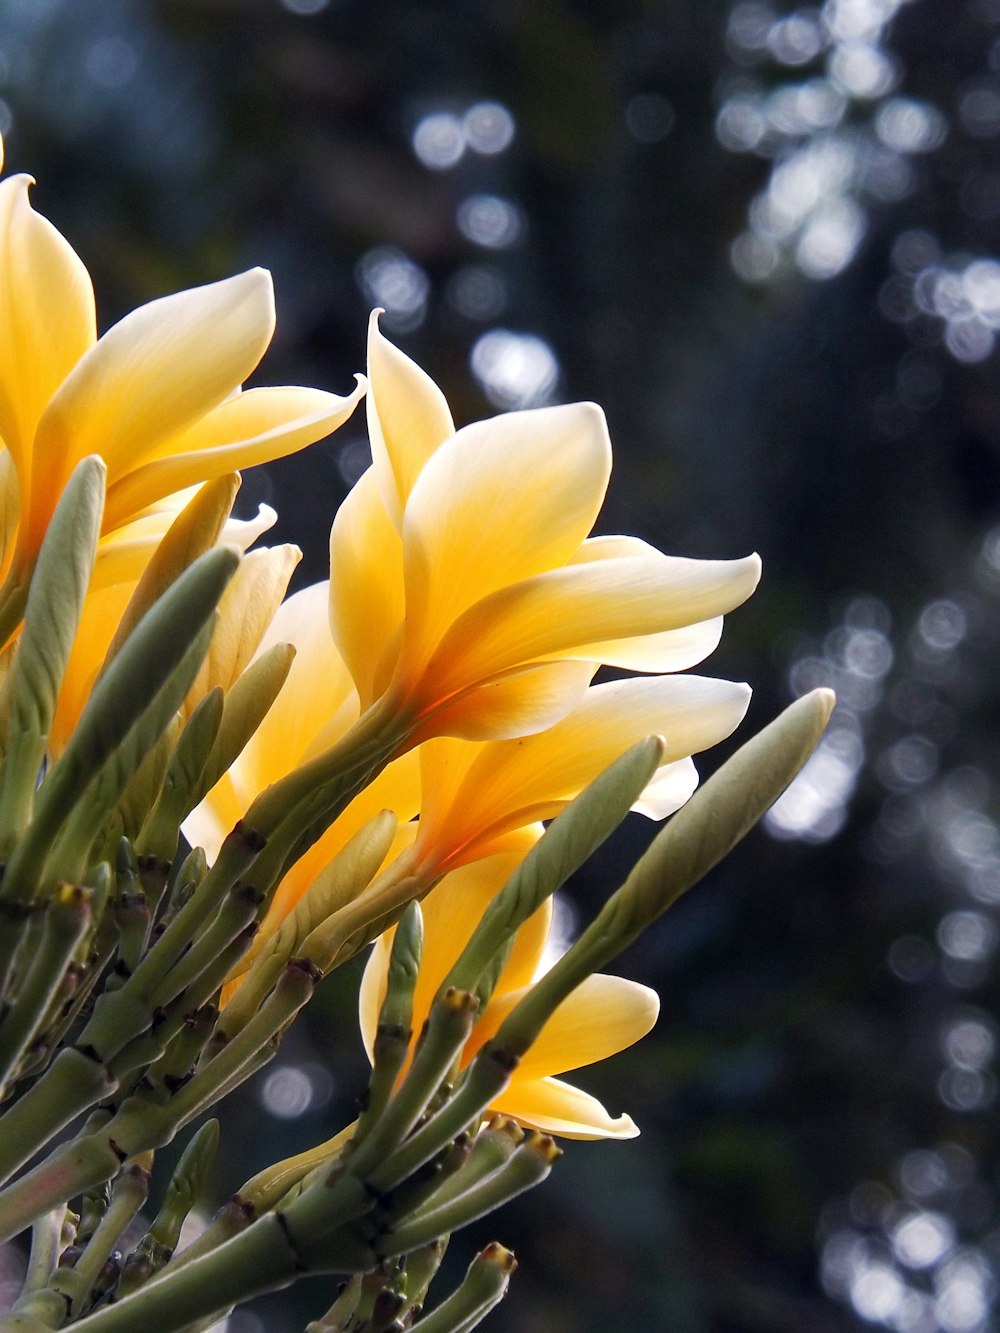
[211,796]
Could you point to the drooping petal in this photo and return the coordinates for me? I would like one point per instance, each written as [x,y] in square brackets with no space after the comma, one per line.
[499,502]
[366,584]
[668,789]
[557,612]
[154,374]
[247,429]
[555,1107]
[47,323]
[408,418]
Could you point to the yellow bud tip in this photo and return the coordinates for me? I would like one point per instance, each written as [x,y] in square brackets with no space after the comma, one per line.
[499,1256]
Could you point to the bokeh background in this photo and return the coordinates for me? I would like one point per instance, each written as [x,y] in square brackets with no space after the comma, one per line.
[765,238]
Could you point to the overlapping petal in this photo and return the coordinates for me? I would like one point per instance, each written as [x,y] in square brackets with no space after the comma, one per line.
[601,1017]
[473,795]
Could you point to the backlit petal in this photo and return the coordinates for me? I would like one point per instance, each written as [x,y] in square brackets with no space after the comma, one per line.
[366,583]
[247,429]
[408,418]
[559,612]
[155,373]
[46,322]
[497,503]
[555,1107]
[516,703]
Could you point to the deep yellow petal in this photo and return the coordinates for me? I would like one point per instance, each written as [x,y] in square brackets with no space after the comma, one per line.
[497,503]
[516,703]
[408,418]
[47,323]
[247,429]
[154,374]
[601,1017]
[555,1107]
[102,610]
[560,612]
[366,584]
[507,783]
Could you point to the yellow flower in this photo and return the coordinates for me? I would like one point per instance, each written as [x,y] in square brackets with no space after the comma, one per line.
[158,396]
[601,1017]
[464,591]
[245,610]
[475,796]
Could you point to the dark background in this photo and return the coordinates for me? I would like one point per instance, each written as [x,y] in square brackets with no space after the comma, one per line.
[765,239]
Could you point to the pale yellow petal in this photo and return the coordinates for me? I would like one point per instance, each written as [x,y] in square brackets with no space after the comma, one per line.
[154,374]
[47,323]
[374,983]
[560,612]
[600,1018]
[10,507]
[245,430]
[670,650]
[246,610]
[408,418]
[497,503]
[316,699]
[555,1107]
[670,787]
[366,585]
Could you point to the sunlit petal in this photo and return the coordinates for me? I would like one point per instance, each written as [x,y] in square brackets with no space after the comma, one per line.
[47,321]
[601,1017]
[408,418]
[366,583]
[559,611]
[153,375]
[515,703]
[245,430]
[497,503]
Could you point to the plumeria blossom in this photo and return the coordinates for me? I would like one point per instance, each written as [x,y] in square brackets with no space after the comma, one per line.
[245,611]
[158,396]
[465,592]
[600,1018]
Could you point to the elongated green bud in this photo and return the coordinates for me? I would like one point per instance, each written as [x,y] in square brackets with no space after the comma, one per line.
[246,704]
[51,619]
[484,1287]
[392,1036]
[194,531]
[145,664]
[569,840]
[178,792]
[701,833]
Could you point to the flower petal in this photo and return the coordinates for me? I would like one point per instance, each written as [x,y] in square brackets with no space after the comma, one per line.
[559,612]
[601,1017]
[509,783]
[290,733]
[497,503]
[516,703]
[555,1107]
[246,610]
[408,418]
[47,323]
[247,429]
[156,372]
[366,584]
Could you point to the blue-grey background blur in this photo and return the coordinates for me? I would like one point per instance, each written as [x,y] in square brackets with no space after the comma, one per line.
[765,238]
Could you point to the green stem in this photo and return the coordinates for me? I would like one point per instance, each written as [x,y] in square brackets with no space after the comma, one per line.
[73,1082]
[67,918]
[484,1287]
[72,1168]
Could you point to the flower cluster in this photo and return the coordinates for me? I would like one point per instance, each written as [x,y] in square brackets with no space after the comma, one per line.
[423,727]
